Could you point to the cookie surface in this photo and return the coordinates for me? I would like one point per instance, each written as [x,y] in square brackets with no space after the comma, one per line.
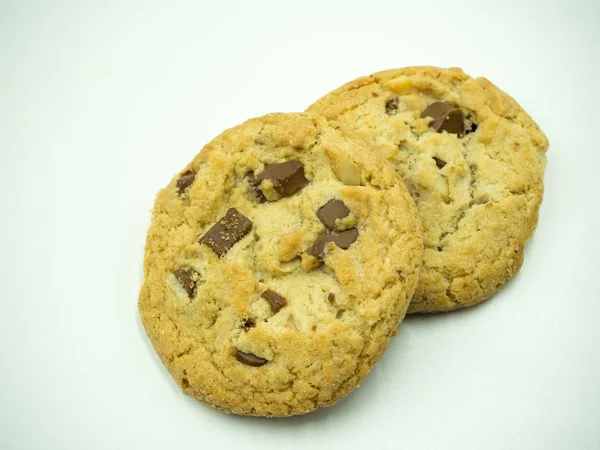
[278,265]
[473,161]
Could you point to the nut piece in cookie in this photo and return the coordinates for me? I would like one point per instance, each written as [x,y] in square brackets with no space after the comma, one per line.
[344,168]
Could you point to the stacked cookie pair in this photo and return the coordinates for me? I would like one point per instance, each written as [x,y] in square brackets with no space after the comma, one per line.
[281,260]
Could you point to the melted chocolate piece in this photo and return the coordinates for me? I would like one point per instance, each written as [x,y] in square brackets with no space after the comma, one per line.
[343,239]
[227,231]
[331,211]
[287,177]
[249,359]
[185,181]
[188,278]
[440,163]
[446,117]
[275,300]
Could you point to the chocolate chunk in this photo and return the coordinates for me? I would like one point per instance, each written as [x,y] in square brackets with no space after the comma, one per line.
[472,129]
[248,323]
[452,123]
[256,192]
[185,180]
[446,117]
[440,163]
[275,300]
[343,239]
[437,109]
[249,359]
[287,177]
[331,297]
[188,278]
[332,210]
[391,106]
[227,231]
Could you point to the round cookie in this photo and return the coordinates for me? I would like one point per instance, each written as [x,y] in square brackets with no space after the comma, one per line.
[473,161]
[278,265]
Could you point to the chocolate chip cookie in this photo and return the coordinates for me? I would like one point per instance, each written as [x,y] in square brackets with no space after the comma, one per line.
[472,159]
[278,265]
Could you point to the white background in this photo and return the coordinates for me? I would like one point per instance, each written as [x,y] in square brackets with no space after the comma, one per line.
[101,103]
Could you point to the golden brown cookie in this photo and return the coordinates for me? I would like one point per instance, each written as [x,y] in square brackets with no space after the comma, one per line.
[278,265]
[472,159]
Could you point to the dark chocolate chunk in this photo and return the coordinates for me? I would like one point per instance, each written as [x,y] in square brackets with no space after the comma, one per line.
[248,323]
[331,297]
[227,231]
[332,210]
[472,129]
[255,189]
[446,117]
[343,239]
[188,278]
[275,300]
[452,123]
[287,177]
[185,180]
[391,106]
[437,109]
[440,163]
[249,359]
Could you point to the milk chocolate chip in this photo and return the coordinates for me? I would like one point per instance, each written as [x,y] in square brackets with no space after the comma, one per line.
[249,359]
[343,239]
[331,211]
[275,300]
[227,231]
[287,177]
[391,106]
[188,278]
[440,163]
[446,117]
[185,180]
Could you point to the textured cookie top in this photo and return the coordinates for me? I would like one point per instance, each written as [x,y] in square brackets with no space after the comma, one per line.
[473,161]
[278,265]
